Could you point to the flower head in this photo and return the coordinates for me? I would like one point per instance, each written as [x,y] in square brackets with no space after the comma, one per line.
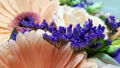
[24,13]
[37,53]
[112,24]
[80,37]
[87,36]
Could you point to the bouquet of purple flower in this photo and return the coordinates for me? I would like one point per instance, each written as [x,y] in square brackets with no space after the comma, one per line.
[57,34]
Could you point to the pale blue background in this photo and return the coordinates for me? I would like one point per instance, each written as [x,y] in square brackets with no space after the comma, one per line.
[112,6]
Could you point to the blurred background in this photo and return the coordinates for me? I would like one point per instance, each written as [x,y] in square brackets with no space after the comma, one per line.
[112,6]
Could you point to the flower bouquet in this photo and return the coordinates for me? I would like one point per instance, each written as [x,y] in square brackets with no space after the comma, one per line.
[57,34]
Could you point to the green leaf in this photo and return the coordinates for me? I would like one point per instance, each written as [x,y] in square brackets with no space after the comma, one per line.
[107,59]
[69,2]
[102,17]
[64,1]
[103,49]
[116,41]
[93,9]
[74,2]
[112,49]
[114,46]
[90,52]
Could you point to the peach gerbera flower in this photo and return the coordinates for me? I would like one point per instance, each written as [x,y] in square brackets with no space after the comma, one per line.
[37,53]
[12,11]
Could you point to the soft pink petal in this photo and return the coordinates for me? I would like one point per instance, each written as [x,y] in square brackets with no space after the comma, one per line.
[61,56]
[75,60]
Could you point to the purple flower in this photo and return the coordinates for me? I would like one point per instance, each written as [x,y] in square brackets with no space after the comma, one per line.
[116,55]
[112,25]
[79,37]
[27,22]
[51,28]
[44,25]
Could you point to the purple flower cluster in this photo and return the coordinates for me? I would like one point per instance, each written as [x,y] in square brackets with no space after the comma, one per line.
[29,22]
[58,36]
[80,38]
[112,25]
[87,36]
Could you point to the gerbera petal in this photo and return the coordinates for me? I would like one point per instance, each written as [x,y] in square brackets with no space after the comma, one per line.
[33,36]
[14,49]
[4,19]
[36,5]
[4,31]
[6,13]
[4,37]
[44,53]
[25,50]
[38,36]
[3,54]
[75,60]
[7,6]
[50,9]
[62,55]
[14,5]
[42,50]
[3,25]
[23,5]
[45,8]
[14,62]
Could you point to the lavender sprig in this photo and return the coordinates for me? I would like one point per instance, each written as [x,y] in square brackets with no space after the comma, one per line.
[80,38]
[112,24]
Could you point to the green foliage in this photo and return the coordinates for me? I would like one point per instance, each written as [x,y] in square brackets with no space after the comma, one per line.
[93,9]
[69,2]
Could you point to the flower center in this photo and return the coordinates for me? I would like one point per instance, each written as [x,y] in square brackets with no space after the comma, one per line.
[25,20]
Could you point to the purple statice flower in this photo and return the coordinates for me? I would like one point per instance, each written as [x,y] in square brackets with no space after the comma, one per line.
[116,55]
[112,25]
[87,36]
[51,28]
[58,37]
[80,38]
[44,25]
[26,30]
[27,22]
